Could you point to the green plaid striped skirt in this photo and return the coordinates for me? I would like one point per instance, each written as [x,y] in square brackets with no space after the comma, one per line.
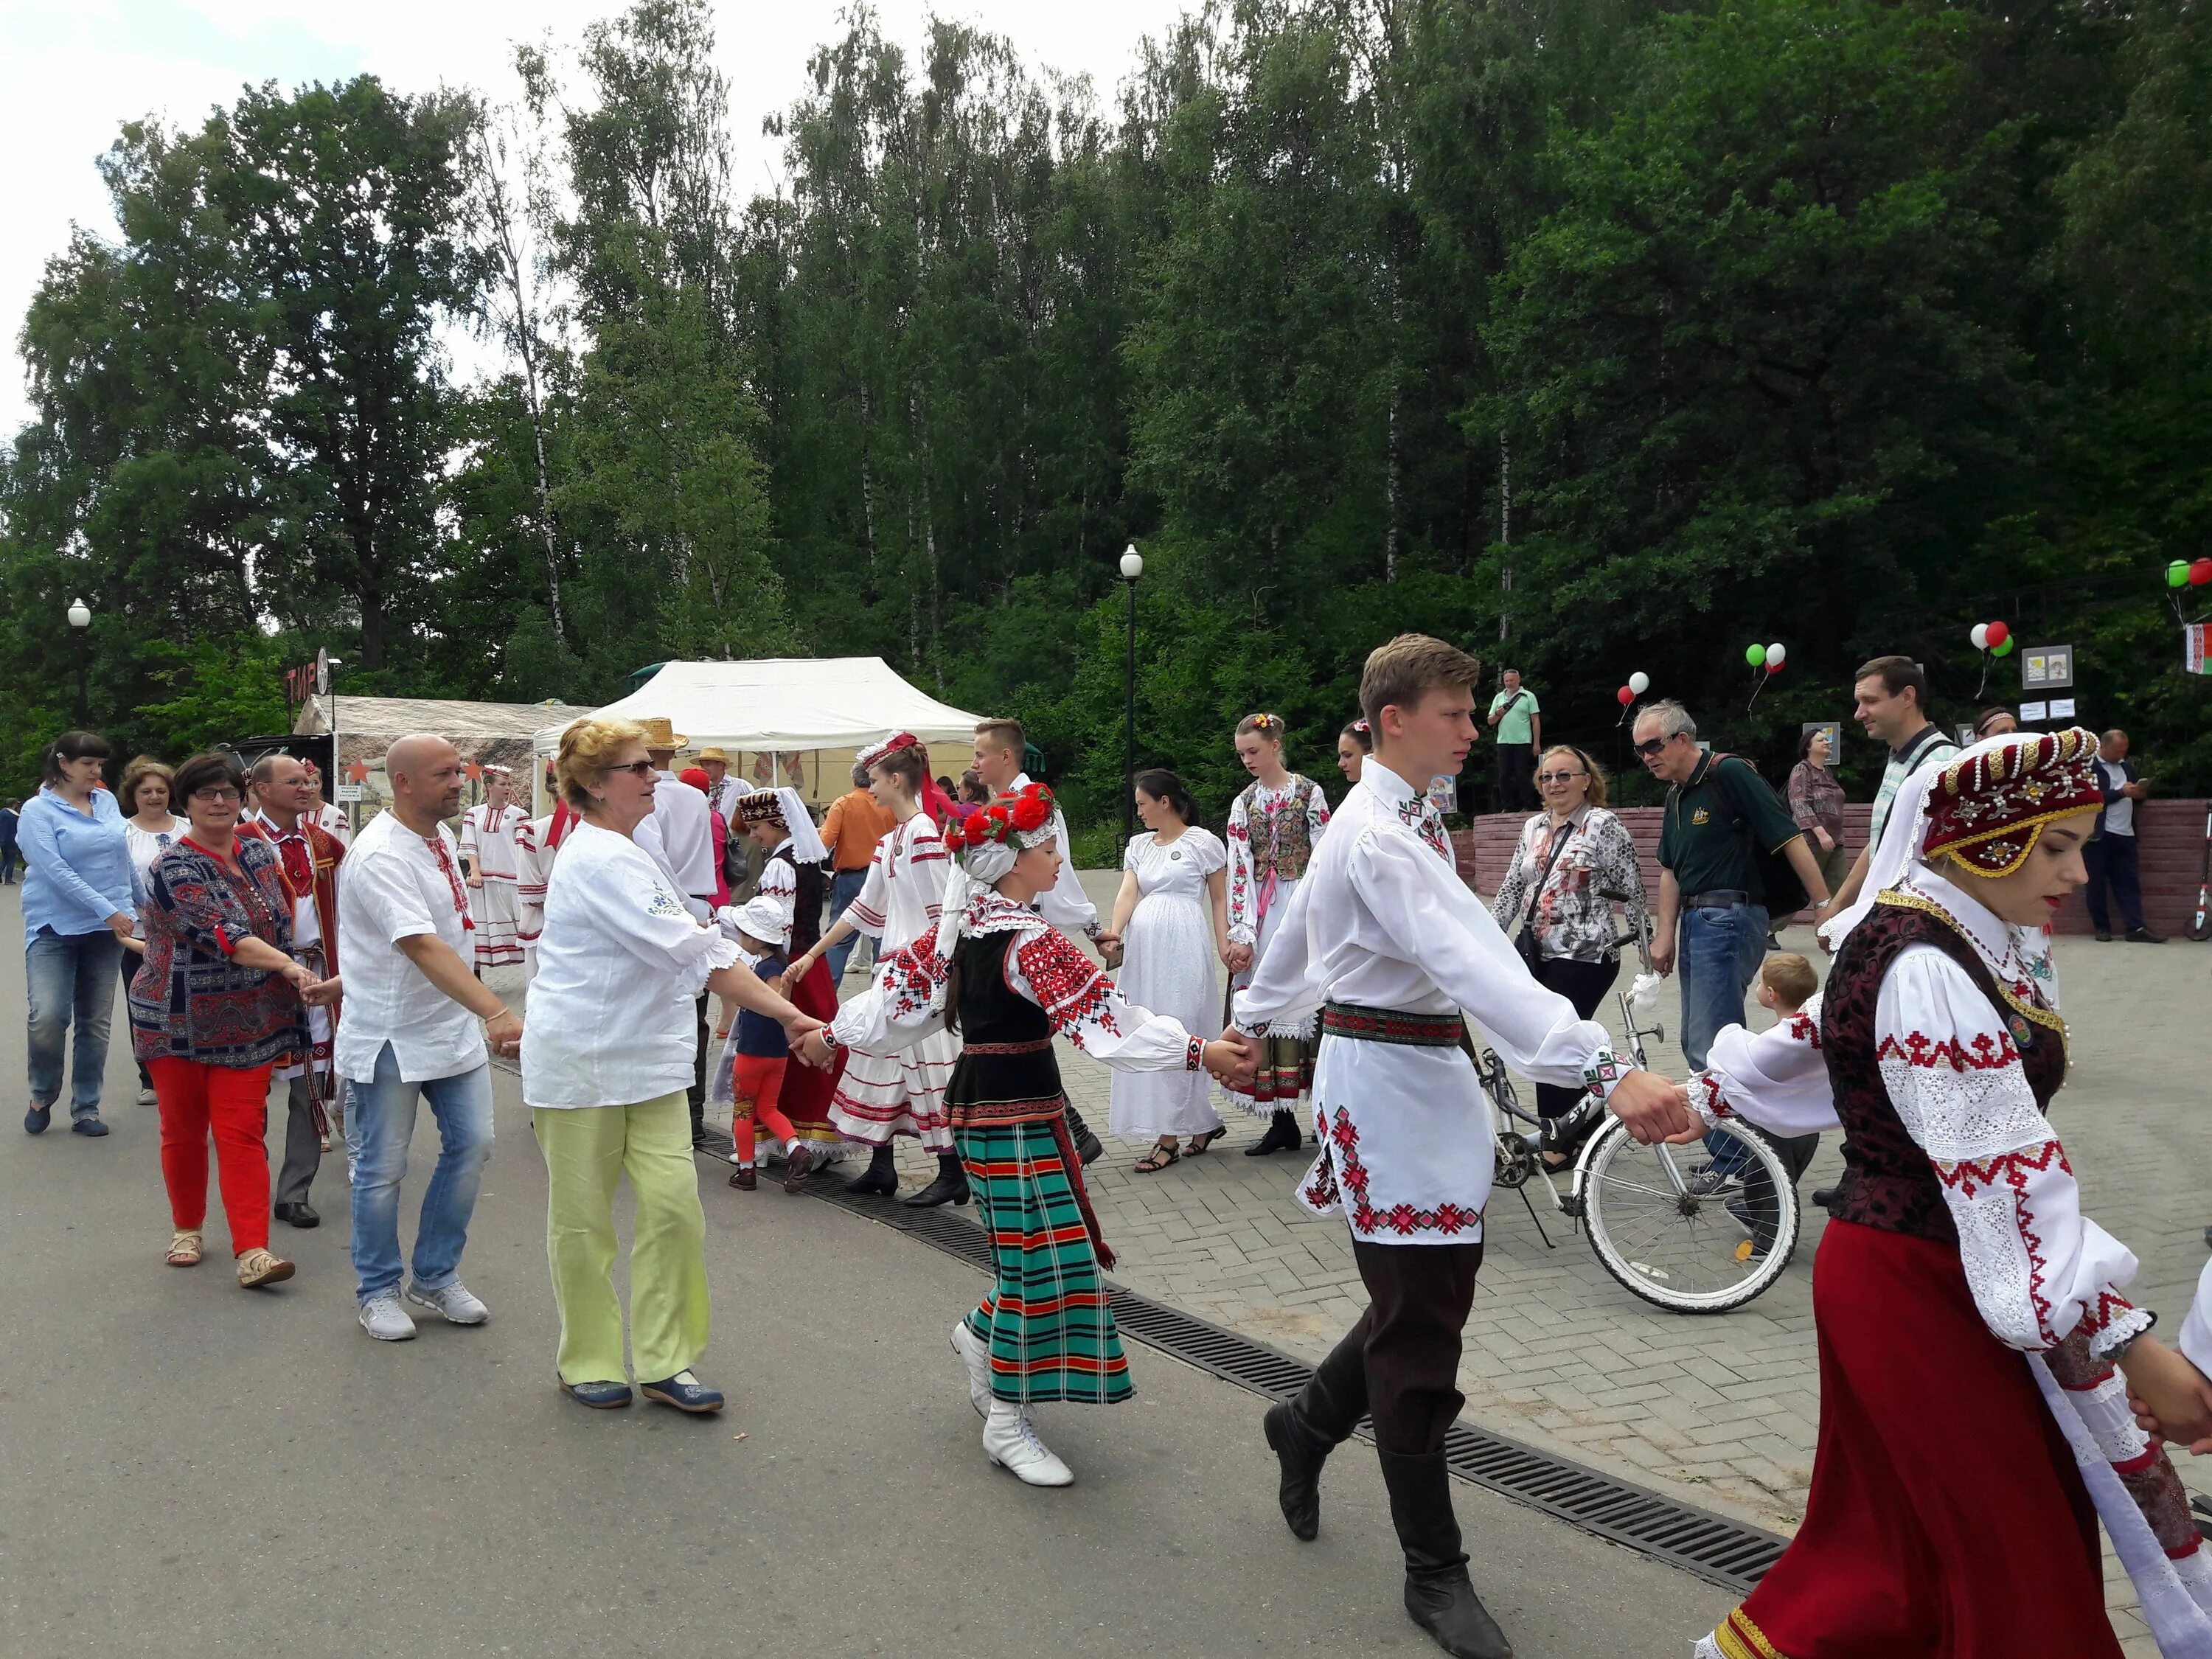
[1050,1332]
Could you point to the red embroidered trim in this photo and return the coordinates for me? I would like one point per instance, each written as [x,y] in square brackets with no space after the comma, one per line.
[1802,1030]
[2012,1170]
[1715,1102]
[1069,987]
[1403,1220]
[1985,1053]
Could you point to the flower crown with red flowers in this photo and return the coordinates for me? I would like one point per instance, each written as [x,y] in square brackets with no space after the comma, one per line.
[1023,818]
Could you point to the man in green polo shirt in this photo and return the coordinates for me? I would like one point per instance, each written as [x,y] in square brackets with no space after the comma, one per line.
[1721,815]
[1520,728]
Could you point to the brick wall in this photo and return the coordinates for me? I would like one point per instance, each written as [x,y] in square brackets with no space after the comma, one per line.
[2171,833]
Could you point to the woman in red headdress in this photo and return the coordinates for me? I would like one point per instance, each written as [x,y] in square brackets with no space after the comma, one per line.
[1969,1314]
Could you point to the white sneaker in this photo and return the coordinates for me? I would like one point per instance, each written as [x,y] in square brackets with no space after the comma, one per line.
[383,1318]
[146,1096]
[976,1355]
[1010,1440]
[453,1302]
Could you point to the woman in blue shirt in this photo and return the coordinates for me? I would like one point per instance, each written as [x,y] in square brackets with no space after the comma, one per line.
[77,911]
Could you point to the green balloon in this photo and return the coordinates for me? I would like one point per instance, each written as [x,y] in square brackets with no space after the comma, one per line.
[1756,654]
[2004,650]
[2177,573]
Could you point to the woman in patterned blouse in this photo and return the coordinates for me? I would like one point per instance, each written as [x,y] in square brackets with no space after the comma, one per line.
[215,1005]
[1570,855]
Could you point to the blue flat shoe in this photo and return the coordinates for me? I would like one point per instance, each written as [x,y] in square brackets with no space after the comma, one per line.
[36,1119]
[600,1396]
[684,1391]
[87,1125]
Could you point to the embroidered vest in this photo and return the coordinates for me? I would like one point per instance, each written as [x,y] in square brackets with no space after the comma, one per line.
[1888,1181]
[1281,841]
[993,1019]
[807,911]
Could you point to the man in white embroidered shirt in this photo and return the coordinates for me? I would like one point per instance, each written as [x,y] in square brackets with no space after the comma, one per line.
[1386,942]
[408,1031]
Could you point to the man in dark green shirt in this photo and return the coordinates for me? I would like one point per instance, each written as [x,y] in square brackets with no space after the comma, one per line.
[1721,817]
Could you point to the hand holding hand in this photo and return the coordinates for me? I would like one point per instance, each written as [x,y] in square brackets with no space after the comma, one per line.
[1654,1111]
[2170,1398]
[1233,1059]
[474,880]
[1239,959]
[323,993]
[121,927]
[813,1050]
[504,1030]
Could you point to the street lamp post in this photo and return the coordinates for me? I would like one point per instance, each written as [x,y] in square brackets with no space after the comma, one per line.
[1132,566]
[80,622]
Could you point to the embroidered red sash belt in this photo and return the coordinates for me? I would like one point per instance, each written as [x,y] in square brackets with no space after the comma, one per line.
[1390,1025]
[1036,1047]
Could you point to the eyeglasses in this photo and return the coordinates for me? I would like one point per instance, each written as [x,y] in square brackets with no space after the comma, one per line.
[1651,746]
[641,770]
[217,796]
[1559,777]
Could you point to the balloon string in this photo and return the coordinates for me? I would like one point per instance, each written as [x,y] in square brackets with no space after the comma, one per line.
[1985,676]
[1755,690]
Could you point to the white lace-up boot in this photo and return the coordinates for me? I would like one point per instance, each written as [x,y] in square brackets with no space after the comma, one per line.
[976,1355]
[1010,1440]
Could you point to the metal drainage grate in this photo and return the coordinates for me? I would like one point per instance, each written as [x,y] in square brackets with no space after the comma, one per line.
[1711,1546]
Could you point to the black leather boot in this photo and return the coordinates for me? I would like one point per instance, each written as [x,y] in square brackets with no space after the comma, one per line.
[1301,1449]
[1440,1595]
[1087,1145]
[1282,1135]
[880,1178]
[950,1186]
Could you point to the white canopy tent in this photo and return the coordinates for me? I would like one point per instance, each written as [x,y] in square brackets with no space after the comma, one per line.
[782,708]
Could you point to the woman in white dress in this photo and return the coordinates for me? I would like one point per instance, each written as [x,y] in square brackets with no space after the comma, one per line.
[1272,827]
[879,1097]
[1172,919]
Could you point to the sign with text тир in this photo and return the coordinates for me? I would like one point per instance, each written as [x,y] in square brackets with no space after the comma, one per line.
[2047,668]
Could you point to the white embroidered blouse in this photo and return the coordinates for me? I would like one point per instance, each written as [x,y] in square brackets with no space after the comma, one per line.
[905,998]
[902,896]
[1251,877]
[2038,1268]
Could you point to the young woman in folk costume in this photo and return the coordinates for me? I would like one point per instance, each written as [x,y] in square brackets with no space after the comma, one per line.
[1005,980]
[1272,827]
[1969,1316]
[1353,745]
[537,842]
[795,872]
[902,1094]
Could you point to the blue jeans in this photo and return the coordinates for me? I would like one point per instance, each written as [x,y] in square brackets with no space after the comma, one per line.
[1719,956]
[72,982]
[844,888]
[380,1124]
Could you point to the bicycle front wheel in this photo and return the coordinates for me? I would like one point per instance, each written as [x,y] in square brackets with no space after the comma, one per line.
[1694,1231]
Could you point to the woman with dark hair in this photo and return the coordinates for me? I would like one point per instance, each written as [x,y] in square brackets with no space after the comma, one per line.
[1171,917]
[77,911]
[1353,745]
[969,798]
[1995,723]
[216,1004]
[1816,801]
[149,828]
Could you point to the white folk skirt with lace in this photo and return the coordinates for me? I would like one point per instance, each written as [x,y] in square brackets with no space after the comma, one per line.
[1168,967]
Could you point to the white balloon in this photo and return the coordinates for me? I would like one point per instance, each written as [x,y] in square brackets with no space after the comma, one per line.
[1776,654]
[1639,682]
[1980,636]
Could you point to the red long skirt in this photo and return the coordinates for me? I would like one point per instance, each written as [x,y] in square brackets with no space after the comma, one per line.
[1946,1519]
[806,1092]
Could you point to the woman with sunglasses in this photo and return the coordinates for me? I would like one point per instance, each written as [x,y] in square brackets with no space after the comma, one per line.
[1552,902]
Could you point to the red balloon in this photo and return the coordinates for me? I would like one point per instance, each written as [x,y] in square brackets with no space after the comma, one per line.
[2200,573]
[1623,696]
[1998,635]
[1772,667]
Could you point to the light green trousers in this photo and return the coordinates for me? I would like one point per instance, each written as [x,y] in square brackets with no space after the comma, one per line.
[586,1151]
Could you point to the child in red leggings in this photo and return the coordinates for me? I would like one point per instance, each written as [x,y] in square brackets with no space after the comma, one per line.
[749,1076]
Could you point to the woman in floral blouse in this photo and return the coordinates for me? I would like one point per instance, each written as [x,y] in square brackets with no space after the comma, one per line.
[1816,801]
[1572,854]
[216,1003]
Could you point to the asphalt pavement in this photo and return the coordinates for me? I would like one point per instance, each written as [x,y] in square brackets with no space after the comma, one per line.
[187,1469]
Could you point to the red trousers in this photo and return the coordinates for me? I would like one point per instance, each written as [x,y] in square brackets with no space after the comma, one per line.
[757,1083]
[1946,1519]
[197,1101]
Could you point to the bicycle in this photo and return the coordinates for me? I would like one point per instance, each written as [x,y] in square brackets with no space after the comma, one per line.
[1692,1240]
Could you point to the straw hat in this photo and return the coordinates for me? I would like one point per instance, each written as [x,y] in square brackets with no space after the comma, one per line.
[659,734]
[711,753]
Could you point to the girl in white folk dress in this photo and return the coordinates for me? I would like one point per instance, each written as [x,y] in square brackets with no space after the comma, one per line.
[1172,919]
[879,1097]
[1272,827]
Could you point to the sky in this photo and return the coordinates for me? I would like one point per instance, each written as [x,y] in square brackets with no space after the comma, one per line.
[71,73]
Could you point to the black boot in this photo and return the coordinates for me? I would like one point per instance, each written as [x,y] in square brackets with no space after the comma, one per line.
[950,1186]
[879,1179]
[1301,1449]
[1282,1134]
[1086,1145]
[1438,1593]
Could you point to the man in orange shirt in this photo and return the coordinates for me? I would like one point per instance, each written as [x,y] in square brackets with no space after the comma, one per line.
[851,831]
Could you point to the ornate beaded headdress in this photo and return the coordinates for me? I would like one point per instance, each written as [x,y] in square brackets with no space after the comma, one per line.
[1987,809]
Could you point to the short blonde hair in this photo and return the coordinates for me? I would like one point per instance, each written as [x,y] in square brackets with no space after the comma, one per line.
[1589,763]
[1400,672]
[1791,977]
[144,767]
[587,754]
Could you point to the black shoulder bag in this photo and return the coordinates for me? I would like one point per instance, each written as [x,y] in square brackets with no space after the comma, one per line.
[1524,942]
[1783,891]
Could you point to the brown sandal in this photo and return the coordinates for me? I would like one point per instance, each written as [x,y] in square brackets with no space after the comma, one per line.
[1158,1158]
[183,1250]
